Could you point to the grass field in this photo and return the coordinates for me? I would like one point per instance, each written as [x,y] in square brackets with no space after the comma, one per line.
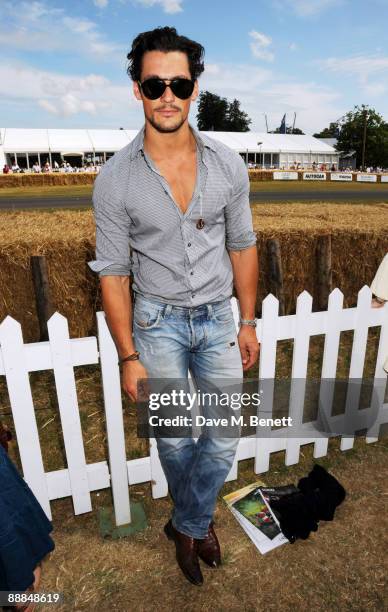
[274,186]
[342,566]
[46,191]
[306,186]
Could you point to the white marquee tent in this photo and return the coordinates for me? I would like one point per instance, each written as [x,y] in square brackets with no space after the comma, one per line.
[271,150]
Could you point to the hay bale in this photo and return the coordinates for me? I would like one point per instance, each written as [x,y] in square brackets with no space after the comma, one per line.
[359,242]
[44,179]
[67,242]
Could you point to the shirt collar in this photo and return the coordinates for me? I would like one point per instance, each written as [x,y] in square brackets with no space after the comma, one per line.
[202,141]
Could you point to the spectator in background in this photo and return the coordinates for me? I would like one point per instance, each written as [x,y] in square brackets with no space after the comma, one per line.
[15,167]
[47,167]
[56,166]
[36,168]
[6,169]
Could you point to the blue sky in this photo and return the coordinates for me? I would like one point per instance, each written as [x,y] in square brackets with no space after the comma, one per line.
[63,64]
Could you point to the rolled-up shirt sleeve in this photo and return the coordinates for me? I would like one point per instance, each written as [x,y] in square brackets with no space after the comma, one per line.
[238,216]
[112,230]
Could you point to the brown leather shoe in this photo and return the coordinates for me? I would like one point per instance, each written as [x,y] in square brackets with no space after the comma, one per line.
[186,553]
[209,549]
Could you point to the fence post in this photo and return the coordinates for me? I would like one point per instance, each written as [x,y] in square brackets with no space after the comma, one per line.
[44,306]
[69,412]
[276,272]
[111,385]
[267,367]
[300,357]
[380,381]
[20,396]
[357,360]
[324,271]
[329,365]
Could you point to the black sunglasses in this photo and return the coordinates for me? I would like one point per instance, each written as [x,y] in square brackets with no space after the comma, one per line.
[154,88]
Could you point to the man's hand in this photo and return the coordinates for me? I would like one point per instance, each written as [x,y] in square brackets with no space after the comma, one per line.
[249,346]
[131,373]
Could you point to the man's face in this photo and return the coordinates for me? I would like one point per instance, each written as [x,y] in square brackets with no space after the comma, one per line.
[167,113]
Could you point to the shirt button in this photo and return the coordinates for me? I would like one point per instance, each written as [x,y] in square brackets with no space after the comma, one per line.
[189,244]
[191,273]
[193,295]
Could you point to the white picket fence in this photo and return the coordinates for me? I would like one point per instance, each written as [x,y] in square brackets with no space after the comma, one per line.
[62,354]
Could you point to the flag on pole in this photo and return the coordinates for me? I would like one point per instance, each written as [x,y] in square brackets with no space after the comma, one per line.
[283,125]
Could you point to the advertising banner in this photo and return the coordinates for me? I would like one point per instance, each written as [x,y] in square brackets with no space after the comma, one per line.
[367,178]
[384,178]
[285,176]
[341,176]
[314,176]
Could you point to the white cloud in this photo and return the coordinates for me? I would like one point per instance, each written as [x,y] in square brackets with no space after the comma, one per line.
[306,8]
[234,78]
[60,94]
[212,69]
[168,6]
[32,11]
[293,46]
[261,39]
[48,106]
[101,3]
[375,89]
[79,26]
[36,26]
[259,46]
[362,67]
[70,105]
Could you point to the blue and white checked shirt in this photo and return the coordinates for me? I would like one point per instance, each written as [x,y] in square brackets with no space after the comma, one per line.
[140,230]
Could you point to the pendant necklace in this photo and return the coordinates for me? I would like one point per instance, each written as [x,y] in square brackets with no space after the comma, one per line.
[200,223]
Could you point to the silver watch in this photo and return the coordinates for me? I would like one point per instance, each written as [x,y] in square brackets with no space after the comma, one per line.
[250,322]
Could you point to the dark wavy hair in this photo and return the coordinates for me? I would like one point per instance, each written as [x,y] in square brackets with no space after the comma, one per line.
[164,39]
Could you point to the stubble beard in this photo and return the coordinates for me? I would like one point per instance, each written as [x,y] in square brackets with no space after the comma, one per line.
[165,129]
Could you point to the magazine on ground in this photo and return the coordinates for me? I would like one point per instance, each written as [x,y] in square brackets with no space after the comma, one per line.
[251,506]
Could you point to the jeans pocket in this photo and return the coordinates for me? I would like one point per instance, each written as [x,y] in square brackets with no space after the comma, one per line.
[147,318]
[224,314]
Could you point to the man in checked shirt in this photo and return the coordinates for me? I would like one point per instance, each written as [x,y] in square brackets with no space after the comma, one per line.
[172,210]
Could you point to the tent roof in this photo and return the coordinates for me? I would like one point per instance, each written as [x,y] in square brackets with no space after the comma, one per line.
[18,140]
[271,143]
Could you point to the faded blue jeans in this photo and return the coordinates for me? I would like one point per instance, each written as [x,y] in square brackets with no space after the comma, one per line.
[172,340]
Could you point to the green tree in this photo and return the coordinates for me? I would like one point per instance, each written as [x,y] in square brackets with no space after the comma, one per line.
[331,132]
[289,130]
[216,113]
[236,119]
[364,121]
